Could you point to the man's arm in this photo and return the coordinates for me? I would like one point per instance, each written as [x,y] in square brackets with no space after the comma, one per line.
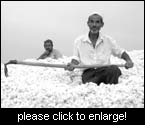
[43,56]
[75,60]
[120,53]
[126,57]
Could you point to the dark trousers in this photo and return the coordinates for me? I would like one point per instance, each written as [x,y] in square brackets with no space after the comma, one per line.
[107,75]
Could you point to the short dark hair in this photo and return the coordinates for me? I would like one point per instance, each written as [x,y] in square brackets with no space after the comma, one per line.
[96,14]
[48,41]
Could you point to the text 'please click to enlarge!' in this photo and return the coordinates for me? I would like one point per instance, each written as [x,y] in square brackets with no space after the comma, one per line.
[61,116]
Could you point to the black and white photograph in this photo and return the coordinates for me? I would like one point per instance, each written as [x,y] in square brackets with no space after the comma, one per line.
[72,54]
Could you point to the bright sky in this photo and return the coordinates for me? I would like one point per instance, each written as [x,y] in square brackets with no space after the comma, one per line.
[26,24]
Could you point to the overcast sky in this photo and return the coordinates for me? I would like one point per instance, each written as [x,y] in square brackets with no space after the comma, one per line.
[25,25]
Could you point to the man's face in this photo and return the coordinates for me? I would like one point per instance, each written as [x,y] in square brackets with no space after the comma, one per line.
[94,23]
[48,46]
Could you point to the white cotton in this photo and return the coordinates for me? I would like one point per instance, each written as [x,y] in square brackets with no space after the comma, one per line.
[44,87]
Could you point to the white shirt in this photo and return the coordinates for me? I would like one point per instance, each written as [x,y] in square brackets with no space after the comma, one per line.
[105,46]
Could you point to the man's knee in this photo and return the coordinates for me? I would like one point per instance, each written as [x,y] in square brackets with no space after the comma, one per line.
[114,69]
[87,75]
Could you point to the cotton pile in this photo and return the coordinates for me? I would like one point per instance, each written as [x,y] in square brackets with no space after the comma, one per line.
[44,87]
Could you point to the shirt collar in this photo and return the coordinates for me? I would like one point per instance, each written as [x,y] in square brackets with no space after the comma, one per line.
[86,38]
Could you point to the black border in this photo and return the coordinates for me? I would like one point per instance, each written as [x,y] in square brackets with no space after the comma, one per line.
[135,116]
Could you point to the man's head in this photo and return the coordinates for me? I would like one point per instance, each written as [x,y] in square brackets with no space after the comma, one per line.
[48,45]
[95,23]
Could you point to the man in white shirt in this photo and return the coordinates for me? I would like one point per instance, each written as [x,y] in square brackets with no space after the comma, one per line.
[96,48]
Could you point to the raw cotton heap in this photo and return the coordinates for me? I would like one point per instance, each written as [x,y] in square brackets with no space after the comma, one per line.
[43,87]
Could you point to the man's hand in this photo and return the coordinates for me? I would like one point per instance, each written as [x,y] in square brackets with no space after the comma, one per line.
[126,57]
[70,65]
[129,64]
[47,53]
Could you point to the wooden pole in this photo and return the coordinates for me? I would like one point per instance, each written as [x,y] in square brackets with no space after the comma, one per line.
[64,66]
[53,65]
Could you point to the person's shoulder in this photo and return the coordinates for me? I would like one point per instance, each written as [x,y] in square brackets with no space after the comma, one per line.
[108,38]
[105,36]
[81,37]
[56,51]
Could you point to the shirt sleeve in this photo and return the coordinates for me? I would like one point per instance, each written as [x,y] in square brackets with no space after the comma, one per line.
[76,55]
[116,50]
